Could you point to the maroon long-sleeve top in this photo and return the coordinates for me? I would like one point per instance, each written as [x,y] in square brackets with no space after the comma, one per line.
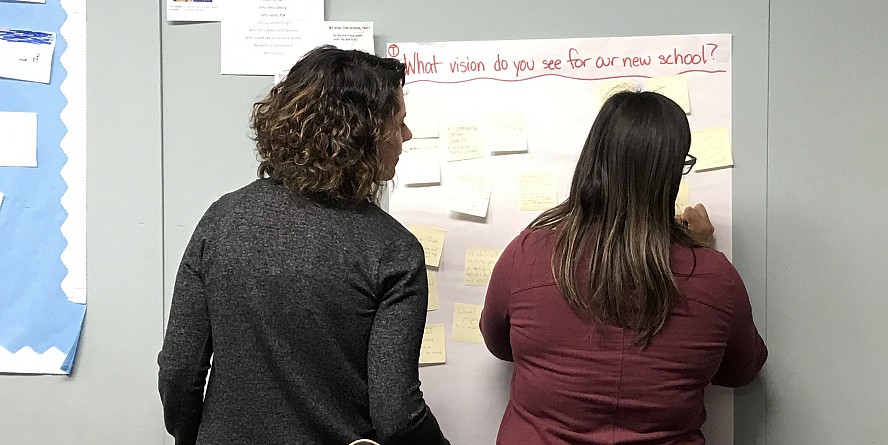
[581,384]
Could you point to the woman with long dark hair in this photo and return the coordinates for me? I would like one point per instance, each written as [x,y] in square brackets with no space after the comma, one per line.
[616,314]
[309,298]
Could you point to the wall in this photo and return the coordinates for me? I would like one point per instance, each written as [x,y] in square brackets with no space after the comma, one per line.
[111,397]
[827,305]
[809,98]
[207,151]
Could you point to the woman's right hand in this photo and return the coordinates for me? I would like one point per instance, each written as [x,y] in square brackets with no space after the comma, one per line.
[696,219]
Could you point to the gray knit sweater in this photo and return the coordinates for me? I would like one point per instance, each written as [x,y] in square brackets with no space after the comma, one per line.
[313,315]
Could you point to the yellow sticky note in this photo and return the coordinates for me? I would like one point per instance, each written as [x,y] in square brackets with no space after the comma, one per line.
[470,195]
[420,163]
[434,300]
[505,133]
[712,147]
[465,323]
[479,265]
[422,118]
[605,90]
[432,240]
[432,349]
[673,87]
[683,200]
[464,142]
[537,191]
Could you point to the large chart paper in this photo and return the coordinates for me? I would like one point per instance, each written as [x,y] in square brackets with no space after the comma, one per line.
[512,117]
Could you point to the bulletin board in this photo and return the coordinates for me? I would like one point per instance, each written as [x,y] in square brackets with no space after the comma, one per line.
[498,127]
[42,184]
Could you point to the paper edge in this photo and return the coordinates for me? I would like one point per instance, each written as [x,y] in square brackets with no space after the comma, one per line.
[28,361]
[73,144]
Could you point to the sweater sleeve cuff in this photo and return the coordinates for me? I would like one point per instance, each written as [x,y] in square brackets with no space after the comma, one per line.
[427,432]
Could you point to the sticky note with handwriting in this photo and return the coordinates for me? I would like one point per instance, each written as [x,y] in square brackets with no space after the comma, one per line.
[470,194]
[464,142]
[479,265]
[422,118]
[420,163]
[683,200]
[537,191]
[432,240]
[432,350]
[465,323]
[673,87]
[434,299]
[604,90]
[505,133]
[712,147]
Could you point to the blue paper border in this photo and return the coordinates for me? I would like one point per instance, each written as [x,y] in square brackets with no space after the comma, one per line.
[34,310]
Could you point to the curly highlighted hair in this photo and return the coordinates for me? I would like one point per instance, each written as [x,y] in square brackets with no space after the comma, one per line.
[320,129]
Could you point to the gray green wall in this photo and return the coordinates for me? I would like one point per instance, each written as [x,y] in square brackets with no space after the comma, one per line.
[167,135]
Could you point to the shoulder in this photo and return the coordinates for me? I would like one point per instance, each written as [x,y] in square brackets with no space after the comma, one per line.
[533,242]
[382,229]
[527,260]
[227,204]
[379,235]
[698,261]
[530,248]
[707,276]
[388,227]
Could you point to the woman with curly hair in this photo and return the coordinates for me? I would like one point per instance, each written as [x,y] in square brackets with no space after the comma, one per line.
[309,298]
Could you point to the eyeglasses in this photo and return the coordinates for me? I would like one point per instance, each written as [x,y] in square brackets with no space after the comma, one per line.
[688,164]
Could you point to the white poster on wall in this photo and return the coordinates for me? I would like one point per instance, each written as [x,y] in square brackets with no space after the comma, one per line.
[271,51]
[258,34]
[193,10]
[343,35]
[512,117]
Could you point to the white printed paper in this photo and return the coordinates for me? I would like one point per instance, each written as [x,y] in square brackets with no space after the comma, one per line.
[193,10]
[262,37]
[26,55]
[18,139]
[343,35]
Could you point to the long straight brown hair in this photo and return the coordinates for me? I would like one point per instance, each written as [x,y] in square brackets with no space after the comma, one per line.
[618,223]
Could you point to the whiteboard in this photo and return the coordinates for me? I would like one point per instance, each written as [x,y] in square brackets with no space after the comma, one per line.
[556,87]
